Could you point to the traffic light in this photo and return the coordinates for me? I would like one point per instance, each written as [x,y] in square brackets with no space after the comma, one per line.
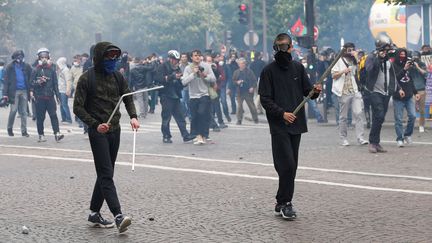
[243,14]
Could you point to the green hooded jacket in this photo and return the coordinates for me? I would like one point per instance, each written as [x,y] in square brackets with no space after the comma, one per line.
[97,109]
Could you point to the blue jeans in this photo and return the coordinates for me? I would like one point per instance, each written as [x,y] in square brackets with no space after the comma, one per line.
[399,106]
[64,108]
[223,101]
[185,103]
[314,107]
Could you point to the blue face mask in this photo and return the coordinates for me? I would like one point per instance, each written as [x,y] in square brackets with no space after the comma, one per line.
[109,66]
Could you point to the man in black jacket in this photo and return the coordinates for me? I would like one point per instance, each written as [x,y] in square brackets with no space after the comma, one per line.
[44,88]
[96,97]
[403,98]
[17,90]
[168,74]
[380,83]
[283,84]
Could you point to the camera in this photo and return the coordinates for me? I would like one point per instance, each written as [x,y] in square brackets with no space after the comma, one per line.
[201,69]
[4,102]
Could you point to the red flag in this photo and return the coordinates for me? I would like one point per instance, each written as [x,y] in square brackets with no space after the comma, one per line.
[297,28]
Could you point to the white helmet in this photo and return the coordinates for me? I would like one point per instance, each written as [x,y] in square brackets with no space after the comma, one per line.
[174,54]
[43,50]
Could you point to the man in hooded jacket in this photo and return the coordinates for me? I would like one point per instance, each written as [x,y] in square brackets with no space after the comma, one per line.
[283,84]
[96,97]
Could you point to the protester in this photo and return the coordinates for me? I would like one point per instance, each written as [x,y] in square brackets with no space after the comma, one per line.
[98,91]
[283,84]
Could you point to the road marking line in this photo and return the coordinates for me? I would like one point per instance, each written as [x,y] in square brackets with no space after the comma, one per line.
[236,162]
[211,172]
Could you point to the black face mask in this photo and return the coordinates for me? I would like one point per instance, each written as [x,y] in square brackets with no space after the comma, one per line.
[283,58]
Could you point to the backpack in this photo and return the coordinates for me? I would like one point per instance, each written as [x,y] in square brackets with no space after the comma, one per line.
[92,84]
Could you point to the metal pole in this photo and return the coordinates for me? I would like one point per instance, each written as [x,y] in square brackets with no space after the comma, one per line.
[320,81]
[127,94]
[265,51]
[251,27]
[133,150]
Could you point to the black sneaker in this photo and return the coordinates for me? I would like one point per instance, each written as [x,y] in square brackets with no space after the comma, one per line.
[278,208]
[97,221]
[58,136]
[287,212]
[10,132]
[122,222]
[25,134]
[223,125]
[188,139]
[166,140]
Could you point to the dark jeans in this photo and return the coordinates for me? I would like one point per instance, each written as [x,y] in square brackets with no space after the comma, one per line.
[44,105]
[367,106]
[104,148]
[172,107]
[233,95]
[379,105]
[200,112]
[223,101]
[285,158]
[217,109]
[153,99]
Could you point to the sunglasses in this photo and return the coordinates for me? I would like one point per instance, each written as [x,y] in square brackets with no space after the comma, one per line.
[112,54]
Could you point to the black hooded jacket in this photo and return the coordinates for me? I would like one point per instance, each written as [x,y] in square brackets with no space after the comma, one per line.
[98,108]
[404,80]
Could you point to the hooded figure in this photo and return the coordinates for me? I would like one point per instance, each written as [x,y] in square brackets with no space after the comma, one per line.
[94,108]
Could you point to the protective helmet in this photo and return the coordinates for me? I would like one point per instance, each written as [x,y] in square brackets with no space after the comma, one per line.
[174,54]
[43,50]
[17,53]
[382,40]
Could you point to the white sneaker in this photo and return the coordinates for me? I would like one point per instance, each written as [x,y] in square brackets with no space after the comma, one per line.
[199,140]
[400,143]
[408,140]
[362,141]
[345,142]
[421,129]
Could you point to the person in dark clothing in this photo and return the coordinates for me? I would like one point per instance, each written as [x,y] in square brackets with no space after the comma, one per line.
[380,83]
[168,74]
[94,108]
[44,88]
[245,82]
[232,66]
[403,98]
[16,90]
[283,84]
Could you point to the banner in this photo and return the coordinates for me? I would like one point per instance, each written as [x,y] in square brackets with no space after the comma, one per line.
[428,89]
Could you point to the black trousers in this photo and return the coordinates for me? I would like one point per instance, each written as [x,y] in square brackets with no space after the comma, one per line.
[200,112]
[285,158]
[172,107]
[104,148]
[44,105]
[379,104]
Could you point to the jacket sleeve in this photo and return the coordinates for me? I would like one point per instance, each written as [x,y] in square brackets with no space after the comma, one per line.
[80,100]
[6,81]
[55,83]
[267,98]
[188,76]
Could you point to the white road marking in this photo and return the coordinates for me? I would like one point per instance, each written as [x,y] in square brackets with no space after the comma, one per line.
[234,162]
[227,174]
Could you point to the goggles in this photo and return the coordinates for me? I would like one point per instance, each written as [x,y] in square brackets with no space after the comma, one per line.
[112,54]
[350,49]
[283,47]
[44,55]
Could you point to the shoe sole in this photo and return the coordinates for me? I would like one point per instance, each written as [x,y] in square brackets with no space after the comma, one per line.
[289,218]
[124,225]
[98,225]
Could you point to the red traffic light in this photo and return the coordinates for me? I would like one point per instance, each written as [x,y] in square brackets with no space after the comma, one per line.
[242,7]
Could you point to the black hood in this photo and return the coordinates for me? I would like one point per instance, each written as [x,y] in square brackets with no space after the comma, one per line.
[99,50]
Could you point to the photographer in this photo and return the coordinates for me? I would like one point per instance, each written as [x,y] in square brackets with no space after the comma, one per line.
[418,73]
[44,87]
[198,76]
[16,91]
[402,98]
[380,83]
[168,74]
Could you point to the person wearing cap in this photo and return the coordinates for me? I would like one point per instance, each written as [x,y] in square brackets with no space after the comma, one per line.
[380,83]
[16,90]
[283,85]
[98,92]
[169,75]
